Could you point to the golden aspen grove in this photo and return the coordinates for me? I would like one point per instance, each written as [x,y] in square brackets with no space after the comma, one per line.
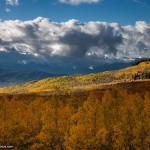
[112,118]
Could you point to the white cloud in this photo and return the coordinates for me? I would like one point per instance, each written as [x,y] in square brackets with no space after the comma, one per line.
[12,2]
[72,2]
[91,67]
[77,2]
[7,10]
[42,38]
[139,2]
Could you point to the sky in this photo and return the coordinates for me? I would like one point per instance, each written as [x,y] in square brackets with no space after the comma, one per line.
[124,12]
[72,36]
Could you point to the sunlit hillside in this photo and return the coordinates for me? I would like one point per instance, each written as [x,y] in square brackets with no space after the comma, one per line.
[137,73]
[104,111]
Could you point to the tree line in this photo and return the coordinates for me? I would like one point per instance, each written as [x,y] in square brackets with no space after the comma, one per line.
[141,60]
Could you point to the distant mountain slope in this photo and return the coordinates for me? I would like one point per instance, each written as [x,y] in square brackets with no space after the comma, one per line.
[19,77]
[140,72]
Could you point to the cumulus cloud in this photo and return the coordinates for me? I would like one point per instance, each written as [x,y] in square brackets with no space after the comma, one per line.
[12,2]
[43,38]
[77,2]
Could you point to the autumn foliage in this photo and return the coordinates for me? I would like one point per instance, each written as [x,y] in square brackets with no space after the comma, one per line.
[115,119]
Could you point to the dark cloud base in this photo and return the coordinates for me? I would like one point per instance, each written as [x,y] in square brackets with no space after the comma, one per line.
[72,46]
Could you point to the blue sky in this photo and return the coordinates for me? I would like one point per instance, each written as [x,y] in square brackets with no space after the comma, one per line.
[73,35]
[121,11]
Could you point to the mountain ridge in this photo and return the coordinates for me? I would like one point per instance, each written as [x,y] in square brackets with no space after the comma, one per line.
[8,78]
[137,73]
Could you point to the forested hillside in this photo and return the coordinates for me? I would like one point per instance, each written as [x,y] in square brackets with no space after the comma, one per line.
[105,111]
[140,72]
[116,119]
